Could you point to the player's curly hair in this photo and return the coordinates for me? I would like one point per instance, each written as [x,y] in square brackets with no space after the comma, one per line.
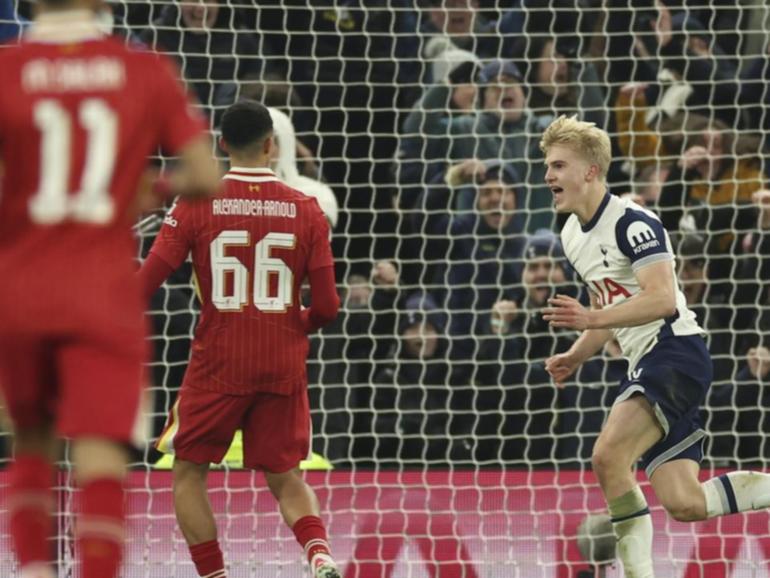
[586,138]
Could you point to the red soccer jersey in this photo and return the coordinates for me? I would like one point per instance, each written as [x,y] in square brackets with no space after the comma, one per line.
[252,246]
[79,115]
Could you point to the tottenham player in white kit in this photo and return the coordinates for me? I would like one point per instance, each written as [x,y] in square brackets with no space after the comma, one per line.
[623,254]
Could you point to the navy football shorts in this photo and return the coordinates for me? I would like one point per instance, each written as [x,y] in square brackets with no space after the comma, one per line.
[674,376]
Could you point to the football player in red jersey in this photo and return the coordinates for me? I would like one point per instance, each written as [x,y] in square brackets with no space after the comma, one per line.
[252,246]
[79,114]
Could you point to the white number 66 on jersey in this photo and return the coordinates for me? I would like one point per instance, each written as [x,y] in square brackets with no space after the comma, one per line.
[264,266]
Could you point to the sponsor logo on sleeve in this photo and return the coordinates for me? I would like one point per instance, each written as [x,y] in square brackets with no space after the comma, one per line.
[641,237]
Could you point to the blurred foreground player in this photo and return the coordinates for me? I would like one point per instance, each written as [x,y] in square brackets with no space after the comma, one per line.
[79,114]
[623,254]
[252,246]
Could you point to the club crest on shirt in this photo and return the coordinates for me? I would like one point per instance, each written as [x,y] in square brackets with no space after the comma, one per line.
[604,251]
[641,237]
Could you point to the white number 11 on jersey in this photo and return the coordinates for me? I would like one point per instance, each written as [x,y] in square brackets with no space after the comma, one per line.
[92,203]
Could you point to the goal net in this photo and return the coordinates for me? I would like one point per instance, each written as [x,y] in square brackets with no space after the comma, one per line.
[442,447]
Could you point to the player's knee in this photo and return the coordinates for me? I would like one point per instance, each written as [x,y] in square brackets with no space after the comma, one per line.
[605,460]
[96,458]
[685,509]
[189,473]
[283,482]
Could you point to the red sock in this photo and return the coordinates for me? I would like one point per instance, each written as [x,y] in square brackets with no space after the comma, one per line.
[208,560]
[30,503]
[99,528]
[311,535]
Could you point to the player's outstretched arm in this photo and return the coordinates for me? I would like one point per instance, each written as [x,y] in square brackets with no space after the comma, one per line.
[562,365]
[656,299]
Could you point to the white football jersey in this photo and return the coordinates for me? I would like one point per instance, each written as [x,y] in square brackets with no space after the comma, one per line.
[606,252]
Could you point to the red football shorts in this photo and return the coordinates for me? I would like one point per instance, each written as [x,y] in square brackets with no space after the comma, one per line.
[83,386]
[276,428]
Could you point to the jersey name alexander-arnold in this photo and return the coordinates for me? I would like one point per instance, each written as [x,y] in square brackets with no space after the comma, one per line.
[254,208]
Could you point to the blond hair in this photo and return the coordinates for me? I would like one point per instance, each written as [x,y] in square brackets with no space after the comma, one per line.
[585,138]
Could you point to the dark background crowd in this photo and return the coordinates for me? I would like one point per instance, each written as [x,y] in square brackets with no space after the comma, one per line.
[422,118]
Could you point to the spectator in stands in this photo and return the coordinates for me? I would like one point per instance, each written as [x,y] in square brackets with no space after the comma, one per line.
[213,50]
[345,356]
[567,19]
[453,202]
[422,144]
[683,64]
[736,412]
[711,187]
[484,256]
[648,183]
[483,266]
[695,56]
[513,347]
[558,83]
[738,423]
[504,129]
[445,24]
[713,312]
[411,419]
[753,312]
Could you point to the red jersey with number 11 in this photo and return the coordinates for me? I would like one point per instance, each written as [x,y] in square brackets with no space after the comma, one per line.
[79,115]
[252,246]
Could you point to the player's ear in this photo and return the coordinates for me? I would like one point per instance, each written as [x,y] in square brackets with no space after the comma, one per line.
[223,145]
[267,146]
[592,173]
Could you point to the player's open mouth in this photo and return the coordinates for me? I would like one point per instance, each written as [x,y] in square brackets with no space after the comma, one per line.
[556,190]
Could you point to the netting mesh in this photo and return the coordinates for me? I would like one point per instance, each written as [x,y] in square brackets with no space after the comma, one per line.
[416,124]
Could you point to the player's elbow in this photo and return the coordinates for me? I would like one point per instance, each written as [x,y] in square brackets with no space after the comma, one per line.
[666,303]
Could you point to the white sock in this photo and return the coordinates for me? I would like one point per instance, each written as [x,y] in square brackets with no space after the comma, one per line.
[632,523]
[736,492]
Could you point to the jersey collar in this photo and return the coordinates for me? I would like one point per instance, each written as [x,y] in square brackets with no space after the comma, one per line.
[597,215]
[64,27]
[251,175]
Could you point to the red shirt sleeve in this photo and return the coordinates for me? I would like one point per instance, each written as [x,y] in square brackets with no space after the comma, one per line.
[175,239]
[324,300]
[320,246]
[153,273]
[178,121]
[323,290]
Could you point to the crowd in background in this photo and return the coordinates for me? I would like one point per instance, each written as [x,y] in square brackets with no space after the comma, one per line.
[416,124]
